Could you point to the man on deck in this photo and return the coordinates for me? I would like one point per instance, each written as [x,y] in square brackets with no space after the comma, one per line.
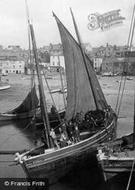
[54,137]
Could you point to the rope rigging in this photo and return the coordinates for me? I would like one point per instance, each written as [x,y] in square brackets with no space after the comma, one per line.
[130,176]
[125,67]
[59,118]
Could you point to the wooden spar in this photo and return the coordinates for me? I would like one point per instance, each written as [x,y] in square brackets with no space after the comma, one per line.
[31,70]
[51,96]
[62,85]
[30,52]
[131,25]
[30,57]
[132,28]
[43,104]
[132,31]
[3,152]
[125,66]
[84,59]
[41,91]
[134,122]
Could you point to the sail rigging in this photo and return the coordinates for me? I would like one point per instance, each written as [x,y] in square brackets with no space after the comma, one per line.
[30,103]
[41,91]
[55,162]
[80,97]
[86,64]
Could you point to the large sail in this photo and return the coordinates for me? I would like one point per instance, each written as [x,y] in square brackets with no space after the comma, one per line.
[30,103]
[82,94]
[101,101]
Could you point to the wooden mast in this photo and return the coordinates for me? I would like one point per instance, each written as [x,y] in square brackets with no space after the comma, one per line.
[43,103]
[30,58]
[134,122]
[130,40]
[41,91]
[29,42]
[84,59]
[52,97]
[132,28]
[62,85]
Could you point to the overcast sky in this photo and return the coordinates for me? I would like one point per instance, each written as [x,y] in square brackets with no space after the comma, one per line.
[13,24]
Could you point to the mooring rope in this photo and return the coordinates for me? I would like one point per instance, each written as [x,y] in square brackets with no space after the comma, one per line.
[130,177]
[118,96]
[129,44]
[121,97]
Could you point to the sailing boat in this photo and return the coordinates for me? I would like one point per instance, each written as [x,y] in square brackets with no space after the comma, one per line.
[84,95]
[29,108]
[3,85]
[118,156]
[25,110]
[30,105]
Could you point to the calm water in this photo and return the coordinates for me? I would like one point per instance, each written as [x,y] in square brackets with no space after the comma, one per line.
[19,136]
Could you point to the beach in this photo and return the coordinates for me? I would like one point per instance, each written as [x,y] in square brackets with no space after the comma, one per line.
[20,85]
[19,136]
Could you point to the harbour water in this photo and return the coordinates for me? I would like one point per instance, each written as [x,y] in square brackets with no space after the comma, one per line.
[19,135]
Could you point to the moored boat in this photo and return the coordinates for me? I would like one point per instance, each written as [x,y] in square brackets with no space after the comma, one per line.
[55,163]
[4,86]
[118,156]
[84,98]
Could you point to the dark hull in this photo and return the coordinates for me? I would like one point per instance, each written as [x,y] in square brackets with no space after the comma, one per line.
[12,116]
[56,164]
[112,168]
[120,162]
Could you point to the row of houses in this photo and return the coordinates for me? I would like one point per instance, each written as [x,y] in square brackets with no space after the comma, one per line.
[15,60]
[113,60]
[124,63]
[108,59]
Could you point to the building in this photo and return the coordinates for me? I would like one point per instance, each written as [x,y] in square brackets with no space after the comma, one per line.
[56,57]
[97,64]
[11,64]
[57,60]
[111,59]
[121,62]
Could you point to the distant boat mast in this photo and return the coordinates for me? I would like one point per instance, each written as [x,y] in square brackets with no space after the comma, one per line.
[43,103]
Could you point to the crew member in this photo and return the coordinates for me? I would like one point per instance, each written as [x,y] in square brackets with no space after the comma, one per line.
[54,138]
[53,109]
[76,133]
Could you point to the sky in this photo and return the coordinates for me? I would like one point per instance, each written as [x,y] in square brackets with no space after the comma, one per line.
[13,22]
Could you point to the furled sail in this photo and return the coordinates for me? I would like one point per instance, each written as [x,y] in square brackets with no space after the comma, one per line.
[81,92]
[30,102]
